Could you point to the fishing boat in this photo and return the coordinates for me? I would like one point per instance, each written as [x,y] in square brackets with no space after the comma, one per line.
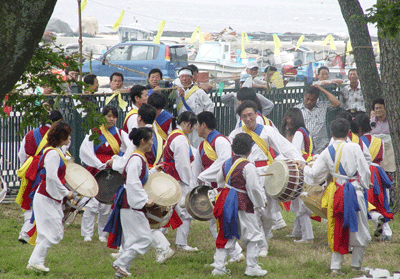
[219,60]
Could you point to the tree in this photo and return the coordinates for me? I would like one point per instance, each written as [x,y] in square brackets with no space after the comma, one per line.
[22,25]
[385,14]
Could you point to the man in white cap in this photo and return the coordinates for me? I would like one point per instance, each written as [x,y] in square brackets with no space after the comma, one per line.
[191,97]
[250,78]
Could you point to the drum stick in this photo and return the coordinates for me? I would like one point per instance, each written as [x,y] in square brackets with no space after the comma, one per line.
[267,174]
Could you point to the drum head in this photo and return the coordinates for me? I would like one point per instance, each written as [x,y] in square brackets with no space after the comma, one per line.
[109,180]
[198,203]
[163,189]
[276,182]
[81,180]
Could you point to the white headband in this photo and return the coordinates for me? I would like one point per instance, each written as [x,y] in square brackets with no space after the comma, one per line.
[185,72]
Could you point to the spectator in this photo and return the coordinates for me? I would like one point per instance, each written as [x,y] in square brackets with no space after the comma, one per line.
[323,77]
[353,100]
[314,114]
[116,83]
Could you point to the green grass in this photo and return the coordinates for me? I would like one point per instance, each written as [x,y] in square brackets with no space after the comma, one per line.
[73,258]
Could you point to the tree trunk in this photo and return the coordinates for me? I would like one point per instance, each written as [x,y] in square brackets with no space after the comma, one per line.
[22,26]
[363,51]
[390,65]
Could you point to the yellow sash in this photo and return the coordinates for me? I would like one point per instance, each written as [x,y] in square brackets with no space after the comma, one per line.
[374,147]
[159,146]
[260,142]
[24,168]
[210,152]
[132,111]
[309,158]
[122,104]
[355,138]
[110,139]
[179,131]
[237,162]
[187,95]
[161,131]
[328,198]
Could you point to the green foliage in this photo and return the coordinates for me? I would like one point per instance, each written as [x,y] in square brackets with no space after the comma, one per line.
[386,16]
[46,69]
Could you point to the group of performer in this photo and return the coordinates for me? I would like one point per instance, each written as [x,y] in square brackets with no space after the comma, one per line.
[152,140]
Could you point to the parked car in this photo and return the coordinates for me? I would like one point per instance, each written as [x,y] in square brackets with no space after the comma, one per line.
[140,56]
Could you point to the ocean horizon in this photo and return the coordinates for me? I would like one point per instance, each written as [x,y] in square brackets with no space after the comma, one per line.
[270,16]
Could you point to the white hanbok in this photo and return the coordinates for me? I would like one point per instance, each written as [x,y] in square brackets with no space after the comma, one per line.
[356,167]
[199,101]
[49,212]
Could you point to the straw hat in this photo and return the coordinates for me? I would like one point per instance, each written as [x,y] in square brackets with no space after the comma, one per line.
[81,180]
[163,189]
[3,189]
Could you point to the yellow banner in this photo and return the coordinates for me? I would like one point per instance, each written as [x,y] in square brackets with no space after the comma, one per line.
[331,41]
[349,48]
[299,41]
[118,22]
[277,44]
[159,32]
[245,39]
[194,36]
[326,40]
[83,6]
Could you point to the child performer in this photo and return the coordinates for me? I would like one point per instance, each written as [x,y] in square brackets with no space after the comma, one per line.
[130,204]
[47,203]
[344,197]
[241,196]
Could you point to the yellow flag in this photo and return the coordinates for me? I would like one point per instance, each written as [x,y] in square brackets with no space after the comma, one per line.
[299,41]
[277,44]
[83,5]
[326,40]
[349,48]
[194,36]
[245,39]
[159,32]
[277,80]
[332,43]
[118,22]
[377,47]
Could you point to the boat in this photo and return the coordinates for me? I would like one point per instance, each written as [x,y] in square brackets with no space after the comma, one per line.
[219,60]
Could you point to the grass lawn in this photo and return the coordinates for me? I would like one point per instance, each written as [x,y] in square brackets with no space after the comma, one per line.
[73,258]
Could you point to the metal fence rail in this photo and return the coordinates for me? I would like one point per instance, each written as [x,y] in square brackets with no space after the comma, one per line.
[10,140]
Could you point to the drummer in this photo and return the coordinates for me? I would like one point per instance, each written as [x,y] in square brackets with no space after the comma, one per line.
[243,195]
[178,156]
[212,153]
[264,138]
[163,121]
[32,147]
[293,129]
[114,141]
[47,203]
[131,201]
[346,163]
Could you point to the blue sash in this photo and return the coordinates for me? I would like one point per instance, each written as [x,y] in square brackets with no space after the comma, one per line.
[163,117]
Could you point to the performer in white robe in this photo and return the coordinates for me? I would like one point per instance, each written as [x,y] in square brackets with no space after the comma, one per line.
[178,155]
[47,203]
[192,98]
[139,95]
[269,137]
[348,159]
[236,177]
[137,235]
[96,158]
[206,166]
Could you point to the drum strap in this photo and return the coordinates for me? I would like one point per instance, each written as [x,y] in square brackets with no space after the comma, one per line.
[59,153]
[239,190]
